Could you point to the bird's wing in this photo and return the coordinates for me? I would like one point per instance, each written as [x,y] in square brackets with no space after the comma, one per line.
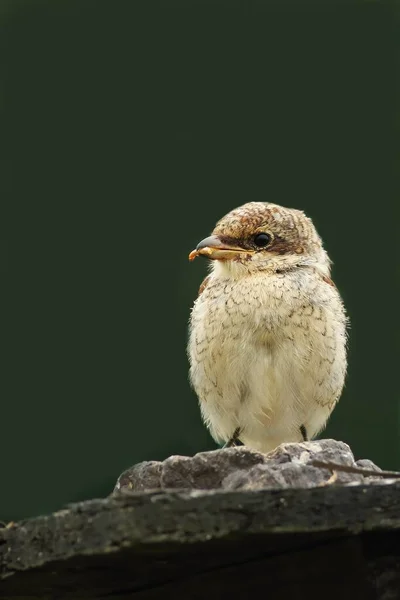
[204,284]
[328,280]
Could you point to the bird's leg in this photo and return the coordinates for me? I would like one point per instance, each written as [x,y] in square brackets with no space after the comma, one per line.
[234,440]
[303,432]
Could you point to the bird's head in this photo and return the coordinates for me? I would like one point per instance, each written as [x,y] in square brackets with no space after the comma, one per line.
[260,236]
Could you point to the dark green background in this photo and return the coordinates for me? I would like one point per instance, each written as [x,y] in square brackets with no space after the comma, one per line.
[128,129]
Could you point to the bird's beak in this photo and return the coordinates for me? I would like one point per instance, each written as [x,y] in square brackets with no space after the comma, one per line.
[212,247]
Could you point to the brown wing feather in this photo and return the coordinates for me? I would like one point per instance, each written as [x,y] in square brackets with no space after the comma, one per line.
[328,280]
[204,284]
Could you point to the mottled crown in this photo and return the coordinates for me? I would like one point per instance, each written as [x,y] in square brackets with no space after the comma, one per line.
[291,231]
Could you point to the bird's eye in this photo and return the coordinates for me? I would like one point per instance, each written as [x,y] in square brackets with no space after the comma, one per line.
[262,240]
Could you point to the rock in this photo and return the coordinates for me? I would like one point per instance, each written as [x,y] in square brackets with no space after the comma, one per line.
[334,541]
[207,470]
[267,476]
[365,463]
[288,466]
[230,523]
[143,476]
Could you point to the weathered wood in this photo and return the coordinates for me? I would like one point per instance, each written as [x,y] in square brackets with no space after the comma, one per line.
[330,542]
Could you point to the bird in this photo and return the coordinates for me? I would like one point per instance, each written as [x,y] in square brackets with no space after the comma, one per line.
[267,342]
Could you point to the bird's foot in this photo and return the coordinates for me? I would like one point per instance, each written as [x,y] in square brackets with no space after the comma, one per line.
[303,432]
[234,440]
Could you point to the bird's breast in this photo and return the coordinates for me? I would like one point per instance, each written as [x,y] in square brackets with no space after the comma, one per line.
[245,312]
[229,339]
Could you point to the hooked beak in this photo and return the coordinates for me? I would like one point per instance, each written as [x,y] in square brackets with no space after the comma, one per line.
[212,247]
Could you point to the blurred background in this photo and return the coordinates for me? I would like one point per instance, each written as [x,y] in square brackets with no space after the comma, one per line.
[128,129]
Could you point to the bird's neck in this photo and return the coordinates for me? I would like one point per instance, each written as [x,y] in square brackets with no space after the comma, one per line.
[278,264]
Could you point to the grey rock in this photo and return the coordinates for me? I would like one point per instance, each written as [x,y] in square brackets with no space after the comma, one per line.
[305,452]
[143,476]
[258,477]
[206,470]
[365,463]
[288,475]
[288,466]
